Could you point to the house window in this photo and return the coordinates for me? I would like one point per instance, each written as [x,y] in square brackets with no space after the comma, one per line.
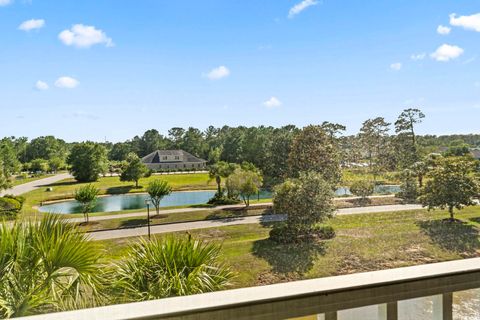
[177,158]
[184,165]
[175,166]
[165,157]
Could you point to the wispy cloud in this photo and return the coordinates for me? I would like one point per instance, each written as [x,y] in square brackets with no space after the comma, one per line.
[471,22]
[273,102]
[218,73]
[5,2]
[418,56]
[299,7]
[41,85]
[443,30]
[396,66]
[31,24]
[82,36]
[66,82]
[446,53]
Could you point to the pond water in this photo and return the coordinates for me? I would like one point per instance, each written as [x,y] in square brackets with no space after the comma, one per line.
[137,201]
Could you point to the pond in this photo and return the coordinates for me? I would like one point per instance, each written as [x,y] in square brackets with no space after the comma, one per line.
[137,201]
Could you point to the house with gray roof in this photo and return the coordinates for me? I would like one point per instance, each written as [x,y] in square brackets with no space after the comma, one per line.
[173,160]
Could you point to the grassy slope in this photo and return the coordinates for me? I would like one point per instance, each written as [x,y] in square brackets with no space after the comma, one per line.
[363,243]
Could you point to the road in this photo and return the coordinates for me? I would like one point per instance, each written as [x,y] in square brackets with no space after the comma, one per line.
[33,185]
[185,226]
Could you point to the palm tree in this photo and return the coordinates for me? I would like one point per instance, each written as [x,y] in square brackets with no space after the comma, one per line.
[47,266]
[170,267]
[157,190]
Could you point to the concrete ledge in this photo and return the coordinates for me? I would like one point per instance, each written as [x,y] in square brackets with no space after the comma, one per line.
[298,298]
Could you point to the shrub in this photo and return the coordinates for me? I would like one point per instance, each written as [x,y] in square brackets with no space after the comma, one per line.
[282,233]
[220,199]
[171,267]
[408,190]
[362,189]
[10,206]
[306,201]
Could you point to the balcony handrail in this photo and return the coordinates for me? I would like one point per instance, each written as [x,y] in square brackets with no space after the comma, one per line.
[298,298]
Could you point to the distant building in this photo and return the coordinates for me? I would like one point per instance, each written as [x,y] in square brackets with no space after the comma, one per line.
[171,160]
[475,153]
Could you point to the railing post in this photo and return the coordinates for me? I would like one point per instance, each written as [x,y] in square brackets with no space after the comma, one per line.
[392,311]
[447,302]
[331,316]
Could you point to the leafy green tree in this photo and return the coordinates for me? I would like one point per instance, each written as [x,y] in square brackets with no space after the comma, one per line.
[151,141]
[157,190]
[420,169]
[313,150]
[120,151]
[88,160]
[408,188]
[48,266]
[374,139]
[457,151]
[115,167]
[333,129]
[169,267]
[133,169]
[275,168]
[306,200]
[451,185]
[46,148]
[87,196]
[4,177]
[406,137]
[221,170]
[55,164]
[245,183]
[38,165]
[8,157]
[362,189]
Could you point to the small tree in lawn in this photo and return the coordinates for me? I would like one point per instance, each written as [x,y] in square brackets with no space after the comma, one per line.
[307,201]
[134,169]
[362,189]
[245,183]
[87,196]
[451,185]
[157,190]
[408,188]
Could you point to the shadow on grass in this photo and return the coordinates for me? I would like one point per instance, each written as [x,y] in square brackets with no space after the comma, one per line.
[476,220]
[456,236]
[60,183]
[288,258]
[133,223]
[119,190]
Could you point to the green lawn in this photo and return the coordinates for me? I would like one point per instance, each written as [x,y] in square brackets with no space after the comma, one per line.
[363,243]
[17,181]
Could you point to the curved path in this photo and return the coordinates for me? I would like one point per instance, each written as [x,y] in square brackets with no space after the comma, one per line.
[184,226]
[33,185]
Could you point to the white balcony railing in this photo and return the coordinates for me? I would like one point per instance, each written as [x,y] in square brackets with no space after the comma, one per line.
[385,291]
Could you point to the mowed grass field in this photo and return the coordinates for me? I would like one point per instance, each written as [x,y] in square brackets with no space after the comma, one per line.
[65,189]
[363,242]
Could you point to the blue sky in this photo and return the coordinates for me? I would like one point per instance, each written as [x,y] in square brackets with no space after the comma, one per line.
[117,68]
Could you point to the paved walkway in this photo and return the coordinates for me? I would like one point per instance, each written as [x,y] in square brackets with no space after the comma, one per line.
[175,227]
[30,186]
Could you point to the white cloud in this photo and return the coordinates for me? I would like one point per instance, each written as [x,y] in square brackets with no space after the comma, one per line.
[467,22]
[299,7]
[66,82]
[82,36]
[273,102]
[446,52]
[418,56]
[5,2]
[41,85]
[443,30]
[32,24]
[218,73]
[396,66]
